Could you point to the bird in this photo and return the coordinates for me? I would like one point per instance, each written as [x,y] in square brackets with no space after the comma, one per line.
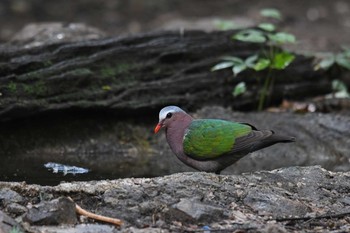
[211,145]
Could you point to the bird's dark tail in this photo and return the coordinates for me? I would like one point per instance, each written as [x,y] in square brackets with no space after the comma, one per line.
[259,139]
[269,138]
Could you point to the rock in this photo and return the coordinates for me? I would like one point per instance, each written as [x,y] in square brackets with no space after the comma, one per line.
[55,212]
[273,228]
[259,201]
[8,196]
[16,209]
[268,203]
[197,211]
[145,230]
[8,224]
[80,228]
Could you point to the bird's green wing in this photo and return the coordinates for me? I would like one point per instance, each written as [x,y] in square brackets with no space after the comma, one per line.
[210,138]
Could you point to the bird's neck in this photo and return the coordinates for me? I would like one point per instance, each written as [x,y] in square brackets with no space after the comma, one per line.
[175,133]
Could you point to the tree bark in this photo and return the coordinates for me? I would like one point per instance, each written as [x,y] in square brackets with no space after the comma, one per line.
[143,72]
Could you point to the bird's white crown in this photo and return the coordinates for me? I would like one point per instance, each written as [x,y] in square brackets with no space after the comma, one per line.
[169,109]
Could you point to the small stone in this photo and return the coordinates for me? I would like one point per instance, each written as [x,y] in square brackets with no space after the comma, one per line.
[233,205]
[16,209]
[160,223]
[199,211]
[147,230]
[55,212]
[8,196]
[273,228]
[7,224]
[80,228]
[238,216]
[345,200]
[268,202]
[239,193]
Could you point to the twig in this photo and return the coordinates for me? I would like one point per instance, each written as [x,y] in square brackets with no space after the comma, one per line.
[327,216]
[98,217]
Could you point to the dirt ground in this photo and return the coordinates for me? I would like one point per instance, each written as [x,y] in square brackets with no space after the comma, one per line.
[320,25]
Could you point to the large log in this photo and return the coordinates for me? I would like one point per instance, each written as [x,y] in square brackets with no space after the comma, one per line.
[140,72]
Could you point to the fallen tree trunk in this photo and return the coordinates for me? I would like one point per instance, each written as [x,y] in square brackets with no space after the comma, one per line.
[142,72]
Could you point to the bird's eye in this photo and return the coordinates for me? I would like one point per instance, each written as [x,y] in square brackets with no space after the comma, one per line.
[169,115]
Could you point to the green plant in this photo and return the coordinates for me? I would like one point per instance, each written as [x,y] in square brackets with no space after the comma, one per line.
[270,58]
[15,229]
[339,90]
[239,89]
[326,60]
[271,13]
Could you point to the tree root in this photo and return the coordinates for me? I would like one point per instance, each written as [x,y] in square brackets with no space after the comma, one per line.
[97,217]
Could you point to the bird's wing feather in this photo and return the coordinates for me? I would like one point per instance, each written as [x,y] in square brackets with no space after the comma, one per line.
[251,141]
[210,138]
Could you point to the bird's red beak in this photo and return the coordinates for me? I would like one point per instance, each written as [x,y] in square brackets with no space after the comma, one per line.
[157,128]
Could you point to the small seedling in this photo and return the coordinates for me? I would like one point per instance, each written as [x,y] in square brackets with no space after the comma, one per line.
[326,60]
[239,89]
[339,90]
[267,59]
[15,229]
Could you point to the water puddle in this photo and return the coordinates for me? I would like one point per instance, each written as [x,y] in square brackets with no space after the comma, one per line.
[35,171]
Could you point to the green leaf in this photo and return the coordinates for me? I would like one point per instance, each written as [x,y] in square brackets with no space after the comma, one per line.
[250,35]
[238,69]
[343,60]
[282,60]
[282,38]
[338,85]
[271,13]
[261,64]
[324,61]
[339,90]
[342,94]
[250,61]
[256,63]
[222,65]
[239,89]
[267,27]
[346,51]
